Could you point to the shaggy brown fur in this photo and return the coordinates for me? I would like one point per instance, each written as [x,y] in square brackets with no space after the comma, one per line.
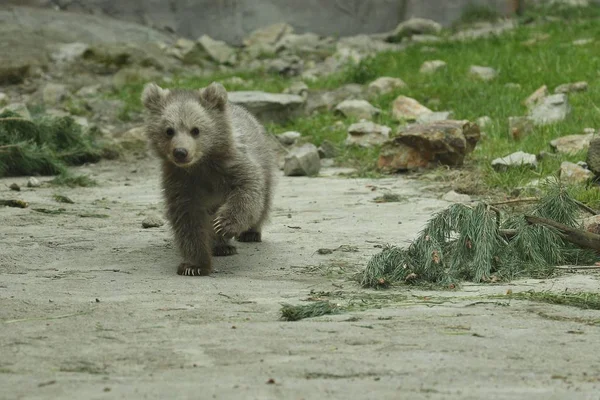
[217,171]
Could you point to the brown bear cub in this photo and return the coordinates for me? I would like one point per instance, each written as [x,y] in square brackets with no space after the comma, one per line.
[218,171]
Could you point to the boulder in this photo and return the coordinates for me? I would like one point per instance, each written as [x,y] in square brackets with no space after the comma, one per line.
[416,146]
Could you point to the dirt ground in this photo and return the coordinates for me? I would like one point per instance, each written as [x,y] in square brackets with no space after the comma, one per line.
[91,306]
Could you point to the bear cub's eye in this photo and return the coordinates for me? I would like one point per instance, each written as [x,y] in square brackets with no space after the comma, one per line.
[170,132]
[195,132]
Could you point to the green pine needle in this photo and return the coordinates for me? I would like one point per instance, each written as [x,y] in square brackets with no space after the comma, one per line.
[46,145]
[463,243]
[316,309]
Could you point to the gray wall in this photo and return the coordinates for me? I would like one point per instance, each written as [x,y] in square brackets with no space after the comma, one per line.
[231,20]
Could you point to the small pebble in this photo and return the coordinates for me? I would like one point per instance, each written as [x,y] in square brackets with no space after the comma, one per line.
[152,222]
[15,187]
[33,182]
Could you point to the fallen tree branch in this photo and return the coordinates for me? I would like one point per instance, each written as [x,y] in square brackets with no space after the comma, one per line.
[576,236]
[514,201]
[567,267]
[585,208]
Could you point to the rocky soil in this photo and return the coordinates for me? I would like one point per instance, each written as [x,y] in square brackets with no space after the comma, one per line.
[92,306]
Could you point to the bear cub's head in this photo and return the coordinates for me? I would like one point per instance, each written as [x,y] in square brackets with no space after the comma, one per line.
[185,125]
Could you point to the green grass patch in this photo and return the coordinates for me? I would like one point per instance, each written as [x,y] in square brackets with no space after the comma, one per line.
[583,300]
[531,55]
[66,179]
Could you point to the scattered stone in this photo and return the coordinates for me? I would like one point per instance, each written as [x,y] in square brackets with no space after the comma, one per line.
[414,26]
[519,127]
[302,161]
[592,224]
[327,150]
[298,88]
[18,108]
[425,39]
[484,121]
[15,187]
[572,87]
[268,35]
[484,30]
[551,109]
[571,144]
[152,222]
[582,42]
[593,156]
[69,52]
[407,108]
[420,146]
[589,131]
[288,138]
[327,162]
[88,91]
[185,44]
[325,101]
[289,66]
[518,159]
[357,109]
[432,66]
[301,45]
[54,94]
[269,107]
[434,117]
[573,173]
[129,75]
[536,96]
[483,73]
[14,74]
[217,50]
[33,182]
[367,134]
[3,99]
[385,85]
[455,197]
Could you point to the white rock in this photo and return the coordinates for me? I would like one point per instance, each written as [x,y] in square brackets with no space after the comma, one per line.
[33,182]
[432,66]
[484,121]
[551,109]
[302,161]
[455,197]
[288,138]
[518,159]
[434,116]
[357,109]
[385,85]
[574,173]
[367,134]
[483,73]
[407,108]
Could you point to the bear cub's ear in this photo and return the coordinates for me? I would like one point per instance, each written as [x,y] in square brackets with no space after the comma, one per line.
[153,97]
[214,96]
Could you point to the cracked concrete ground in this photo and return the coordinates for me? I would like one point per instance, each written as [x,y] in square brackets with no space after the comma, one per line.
[91,307]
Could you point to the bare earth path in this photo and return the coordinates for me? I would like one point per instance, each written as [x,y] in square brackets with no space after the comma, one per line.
[91,307]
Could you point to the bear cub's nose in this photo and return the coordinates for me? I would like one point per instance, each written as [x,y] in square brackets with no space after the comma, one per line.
[180,154]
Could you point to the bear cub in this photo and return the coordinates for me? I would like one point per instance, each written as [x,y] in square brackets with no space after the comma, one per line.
[218,171]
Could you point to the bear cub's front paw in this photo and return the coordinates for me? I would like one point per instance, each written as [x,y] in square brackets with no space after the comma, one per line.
[187,269]
[225,226]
